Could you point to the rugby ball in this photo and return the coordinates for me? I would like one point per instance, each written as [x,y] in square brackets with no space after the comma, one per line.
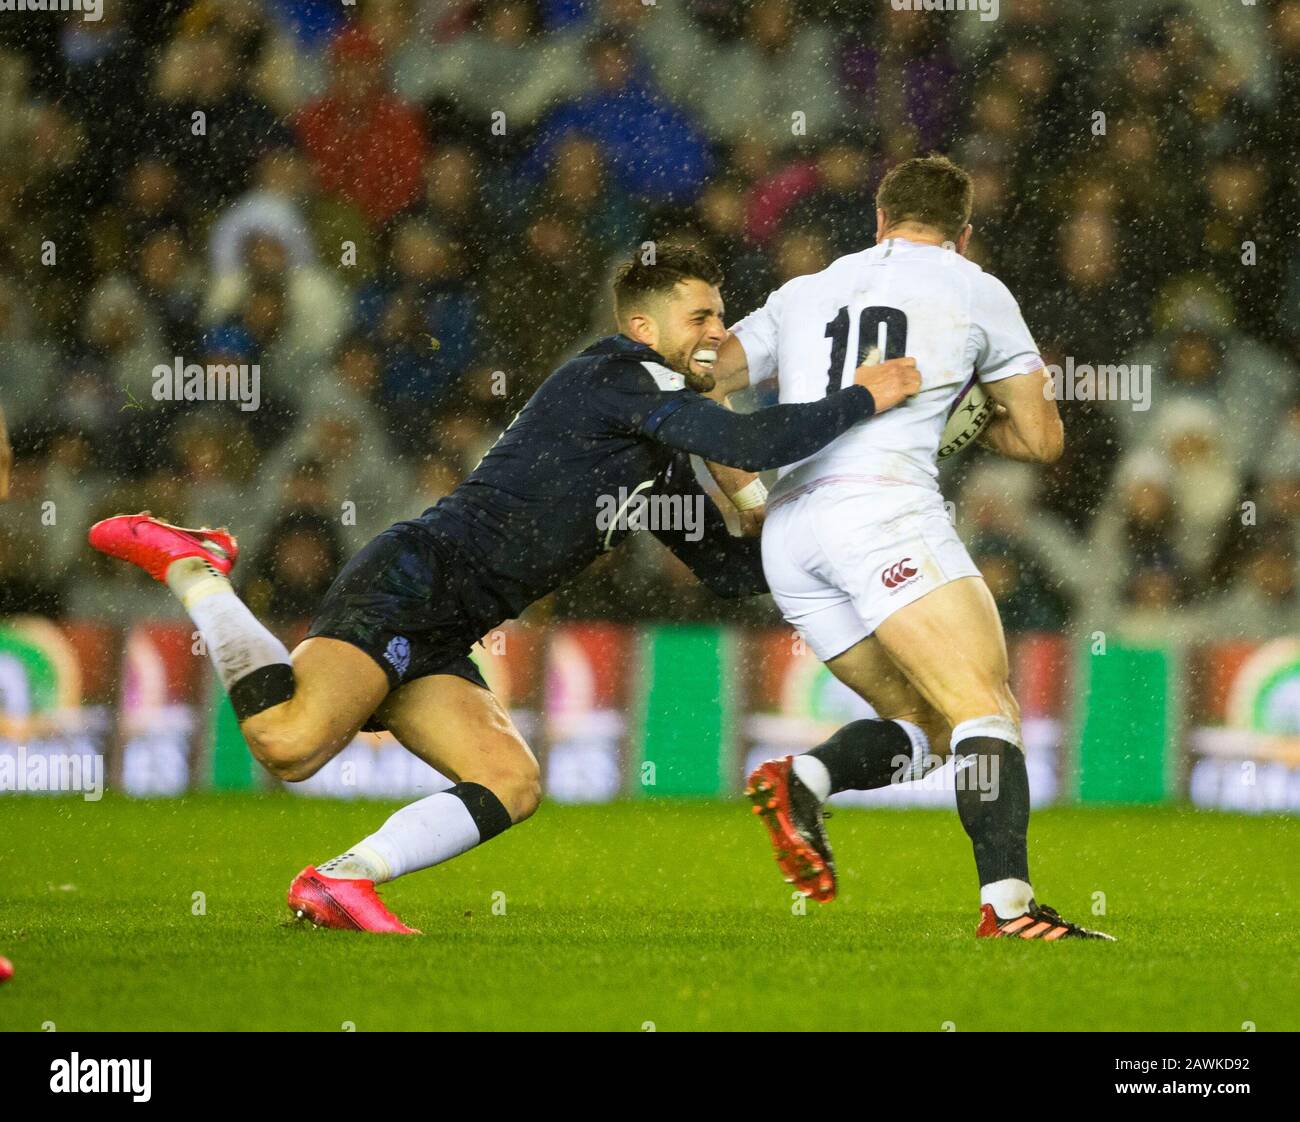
[967,417]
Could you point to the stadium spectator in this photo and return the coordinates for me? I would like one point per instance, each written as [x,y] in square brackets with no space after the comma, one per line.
[671,42]
[123,340]
[295,568]
[578,190]
[365,145]
[316,312]
[423,315]
[652,149]
[506,37]
[528,337]
[776,186]
[454,201]
[1263,603]
[800,250]
[900,74]
[228,246]
[998,506]
[31,579]
[27,359]
[270,208]
[843,204]
[1026,597]
[1204,359]
[208,123]
[1241,238]
[1135,541]
[361,476]
[1073,305]
[721,224]
[151,200]
[170,281]
[780,80]
[207,452]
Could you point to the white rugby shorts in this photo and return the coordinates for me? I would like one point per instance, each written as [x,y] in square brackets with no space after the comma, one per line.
[843,555]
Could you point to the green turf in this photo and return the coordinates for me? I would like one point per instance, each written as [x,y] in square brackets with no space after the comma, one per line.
[615,916]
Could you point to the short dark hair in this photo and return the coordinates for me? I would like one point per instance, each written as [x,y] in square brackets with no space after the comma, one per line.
[930,191]
[669,264]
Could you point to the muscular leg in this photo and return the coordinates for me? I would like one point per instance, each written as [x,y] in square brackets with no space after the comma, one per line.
[462,730]
[295,713]
[869,672]
[950,646]
[867,754]
[862,756]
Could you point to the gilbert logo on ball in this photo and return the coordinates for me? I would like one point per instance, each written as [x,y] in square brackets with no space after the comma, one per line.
[966,419]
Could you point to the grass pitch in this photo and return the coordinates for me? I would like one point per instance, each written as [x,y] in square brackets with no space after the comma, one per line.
[623,917]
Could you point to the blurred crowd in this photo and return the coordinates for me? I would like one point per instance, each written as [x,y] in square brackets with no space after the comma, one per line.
[407,212]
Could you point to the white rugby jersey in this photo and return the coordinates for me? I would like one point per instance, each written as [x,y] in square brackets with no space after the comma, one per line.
[925,301]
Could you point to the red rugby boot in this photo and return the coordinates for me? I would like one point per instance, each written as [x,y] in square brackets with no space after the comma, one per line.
[793,817]
[154,544]
[350,905]
[1040,922]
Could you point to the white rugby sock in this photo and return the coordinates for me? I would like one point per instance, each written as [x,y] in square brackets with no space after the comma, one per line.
[236,641]
[426,833]
[1010,898]
[358,863]
[812,774]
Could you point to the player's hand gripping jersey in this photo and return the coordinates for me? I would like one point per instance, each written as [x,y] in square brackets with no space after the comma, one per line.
[904,298]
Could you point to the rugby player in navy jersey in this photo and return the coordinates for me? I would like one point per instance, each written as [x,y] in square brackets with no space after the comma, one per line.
[390,645]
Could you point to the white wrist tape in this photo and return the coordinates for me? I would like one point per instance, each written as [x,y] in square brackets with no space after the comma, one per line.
[750,497]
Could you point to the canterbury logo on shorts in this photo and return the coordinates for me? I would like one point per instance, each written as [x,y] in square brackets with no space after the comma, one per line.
[898,573]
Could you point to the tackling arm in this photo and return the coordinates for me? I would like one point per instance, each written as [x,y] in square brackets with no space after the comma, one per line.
[781,434]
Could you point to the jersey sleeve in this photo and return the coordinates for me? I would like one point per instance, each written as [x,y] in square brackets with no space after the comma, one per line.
[1001,340]
[759,335]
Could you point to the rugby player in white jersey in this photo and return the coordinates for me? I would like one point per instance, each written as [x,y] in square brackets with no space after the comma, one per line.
[861,555]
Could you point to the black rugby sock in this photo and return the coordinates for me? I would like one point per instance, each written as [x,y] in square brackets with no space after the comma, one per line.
[993,804]
[865,755]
